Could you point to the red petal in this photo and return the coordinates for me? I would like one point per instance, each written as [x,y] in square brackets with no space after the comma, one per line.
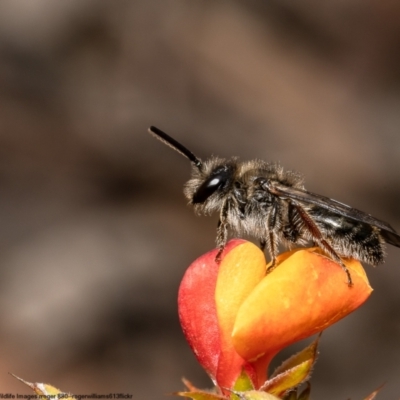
[197,312]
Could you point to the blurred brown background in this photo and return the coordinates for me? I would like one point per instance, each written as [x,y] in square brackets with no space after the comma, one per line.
[95,233]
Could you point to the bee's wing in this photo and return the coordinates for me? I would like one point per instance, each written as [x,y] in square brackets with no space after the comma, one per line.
[305,197]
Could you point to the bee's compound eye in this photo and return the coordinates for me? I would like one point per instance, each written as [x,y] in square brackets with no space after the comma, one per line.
[210,186]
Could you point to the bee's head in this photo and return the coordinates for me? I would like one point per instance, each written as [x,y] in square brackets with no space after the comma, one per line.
[211,180]
[210,184]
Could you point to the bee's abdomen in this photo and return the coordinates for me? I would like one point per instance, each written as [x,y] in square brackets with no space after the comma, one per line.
[351,238]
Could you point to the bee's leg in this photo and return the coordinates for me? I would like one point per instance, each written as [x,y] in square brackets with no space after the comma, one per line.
[222,231]
[272,249]
[290,230]
[271,238]
[317,236]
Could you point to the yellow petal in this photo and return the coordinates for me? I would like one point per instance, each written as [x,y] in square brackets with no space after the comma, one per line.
[240,272]
[305,294]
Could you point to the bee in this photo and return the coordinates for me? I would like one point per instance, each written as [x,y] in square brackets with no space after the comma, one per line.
[264,201]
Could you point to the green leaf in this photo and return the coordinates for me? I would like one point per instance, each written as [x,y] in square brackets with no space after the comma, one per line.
[44,390]
[289,379]
[309,353]
[255,395]
[293,371]
[200,395]
[243,383]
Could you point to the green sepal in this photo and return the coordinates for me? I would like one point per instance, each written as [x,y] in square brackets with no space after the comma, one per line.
[201,395]
[255,395]
[243,383]
[294,371]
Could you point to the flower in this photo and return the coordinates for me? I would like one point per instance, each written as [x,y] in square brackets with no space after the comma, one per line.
[236,317]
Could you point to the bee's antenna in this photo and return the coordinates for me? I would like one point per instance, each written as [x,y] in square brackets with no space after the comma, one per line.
[180,148]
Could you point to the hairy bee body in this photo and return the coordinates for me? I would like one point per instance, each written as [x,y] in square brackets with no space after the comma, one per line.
[263,200]
[252,209]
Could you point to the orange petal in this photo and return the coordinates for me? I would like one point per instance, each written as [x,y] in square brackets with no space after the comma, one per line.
[240,272]
[304,295]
